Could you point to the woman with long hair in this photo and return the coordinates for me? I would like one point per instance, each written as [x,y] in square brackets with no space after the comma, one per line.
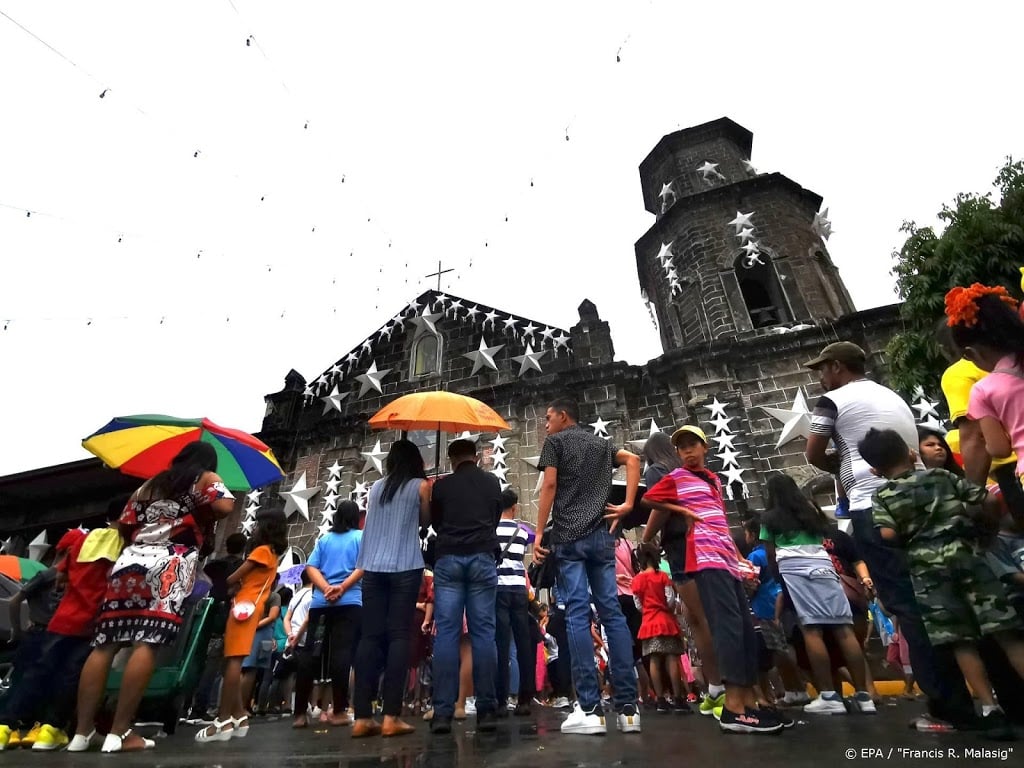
[795,528]
[163,523]
[935,452]
[335,614]
[662,458]
[254,579]
[392,564]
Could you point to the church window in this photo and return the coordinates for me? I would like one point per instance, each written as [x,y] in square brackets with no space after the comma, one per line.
[762,291]
[426,355]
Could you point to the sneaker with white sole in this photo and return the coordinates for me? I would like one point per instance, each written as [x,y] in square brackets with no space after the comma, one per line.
[830,703]
[628,719]
[50,739]
[80,743]
[863,703]
[560,703]
[471,705]
[585,723]
[795,699]
[710,703]
[749,721]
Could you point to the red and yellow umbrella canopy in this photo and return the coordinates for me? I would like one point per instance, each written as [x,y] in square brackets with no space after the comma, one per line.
[143,446]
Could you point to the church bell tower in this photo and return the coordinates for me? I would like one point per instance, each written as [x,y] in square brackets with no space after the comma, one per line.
[733,253]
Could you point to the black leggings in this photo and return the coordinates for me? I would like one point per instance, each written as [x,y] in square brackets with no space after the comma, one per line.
[337,627]
[389,600]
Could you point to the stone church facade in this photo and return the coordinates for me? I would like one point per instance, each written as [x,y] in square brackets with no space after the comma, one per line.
[738,278]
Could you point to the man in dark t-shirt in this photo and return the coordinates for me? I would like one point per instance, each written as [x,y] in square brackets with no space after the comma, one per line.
[577,468]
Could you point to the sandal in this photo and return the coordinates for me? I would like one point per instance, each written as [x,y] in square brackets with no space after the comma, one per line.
[241,727]
[115,743]
[82,743]
[220,730]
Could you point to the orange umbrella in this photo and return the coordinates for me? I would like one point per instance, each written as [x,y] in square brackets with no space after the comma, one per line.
[443,411]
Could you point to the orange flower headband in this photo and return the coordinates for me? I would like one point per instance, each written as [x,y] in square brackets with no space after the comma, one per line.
[962,303]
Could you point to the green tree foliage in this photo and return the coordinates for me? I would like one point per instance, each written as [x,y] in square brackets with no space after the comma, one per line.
[982,242]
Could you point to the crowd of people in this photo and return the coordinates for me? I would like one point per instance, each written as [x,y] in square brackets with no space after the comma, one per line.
[683,615]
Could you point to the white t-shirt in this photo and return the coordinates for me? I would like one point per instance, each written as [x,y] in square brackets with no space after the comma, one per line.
[845,415]
[300,611]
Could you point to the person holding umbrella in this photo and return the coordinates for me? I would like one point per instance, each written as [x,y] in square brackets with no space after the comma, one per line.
[163,524]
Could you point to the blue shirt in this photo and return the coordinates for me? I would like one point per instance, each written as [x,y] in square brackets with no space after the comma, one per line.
[763,603]
[335,556]
[391,534]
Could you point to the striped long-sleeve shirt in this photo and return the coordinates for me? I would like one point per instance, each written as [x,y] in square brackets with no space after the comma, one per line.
[511,571]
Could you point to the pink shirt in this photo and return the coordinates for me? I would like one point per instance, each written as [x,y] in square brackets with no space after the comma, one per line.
[623,564]
[1000,396]
[709,544]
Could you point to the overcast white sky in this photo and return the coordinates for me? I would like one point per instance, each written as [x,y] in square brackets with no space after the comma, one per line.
[437,116]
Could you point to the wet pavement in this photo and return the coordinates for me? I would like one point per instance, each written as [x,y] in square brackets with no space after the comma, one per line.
[667,740]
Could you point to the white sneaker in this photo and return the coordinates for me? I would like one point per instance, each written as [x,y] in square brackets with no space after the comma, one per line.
[830,703]
[315,711]
[793,698]
[629,720]
[471,705]
[82,743]
[584,723]
[863,703]
[560,703]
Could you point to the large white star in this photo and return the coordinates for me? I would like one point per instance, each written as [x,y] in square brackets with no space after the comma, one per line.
[332,484]
[427,321]
[729,456]
[500,471]
[666,189]
[498,442]
[466,435]
[335,469]
[745,234]
[733,475]
[742,220]
[925,408]
[372,379]
[721,423]
[724,439]
[709,169]
[331,500]
[600,427]
[821,226]
[796,421]
[334,399]
[297,499]
[484,356]
[665,253]
[374,459]
[532,461]
[717,408]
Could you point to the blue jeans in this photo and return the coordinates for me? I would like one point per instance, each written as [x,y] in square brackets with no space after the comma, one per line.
[590,562]
[464,584]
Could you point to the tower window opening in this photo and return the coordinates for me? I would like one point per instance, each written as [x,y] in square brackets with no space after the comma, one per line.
[762,292]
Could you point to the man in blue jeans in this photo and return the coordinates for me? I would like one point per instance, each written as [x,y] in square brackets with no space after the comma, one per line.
[465,508]
[577,468]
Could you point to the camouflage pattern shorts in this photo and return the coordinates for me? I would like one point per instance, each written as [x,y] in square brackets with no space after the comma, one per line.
[961,598]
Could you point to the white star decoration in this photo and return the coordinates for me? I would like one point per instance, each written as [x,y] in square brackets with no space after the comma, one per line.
[529,360]
[38,546]
[749,166]
[334,399]
[490,318]
[796,421]
[709,171]
[729,456]
[601,428]
[297,499]
[374,459]
[247,526]
[925,408]
[372,379]
[822,227]
[499,443]
[665,253]
[717,408]
[254,496]
[484,356]
[745,234]
[529,330]
[721,423]
[324,529]
[426,321]
[725,439]
[332,484]
[742,220]
[335,469]
[666,190]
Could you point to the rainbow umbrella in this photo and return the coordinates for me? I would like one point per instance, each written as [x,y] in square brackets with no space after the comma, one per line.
[19,568]
[143,446]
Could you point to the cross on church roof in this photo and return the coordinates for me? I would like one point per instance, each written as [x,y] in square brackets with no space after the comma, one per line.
[438,275]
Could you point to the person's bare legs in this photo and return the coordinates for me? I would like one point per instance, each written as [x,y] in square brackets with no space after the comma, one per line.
[232,703]
[817,655]
[657,675]
[134,682]
[849,645]
[92,687]
[465,674]
[248,684]
[701,632]
[1013,647]
[974,673]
